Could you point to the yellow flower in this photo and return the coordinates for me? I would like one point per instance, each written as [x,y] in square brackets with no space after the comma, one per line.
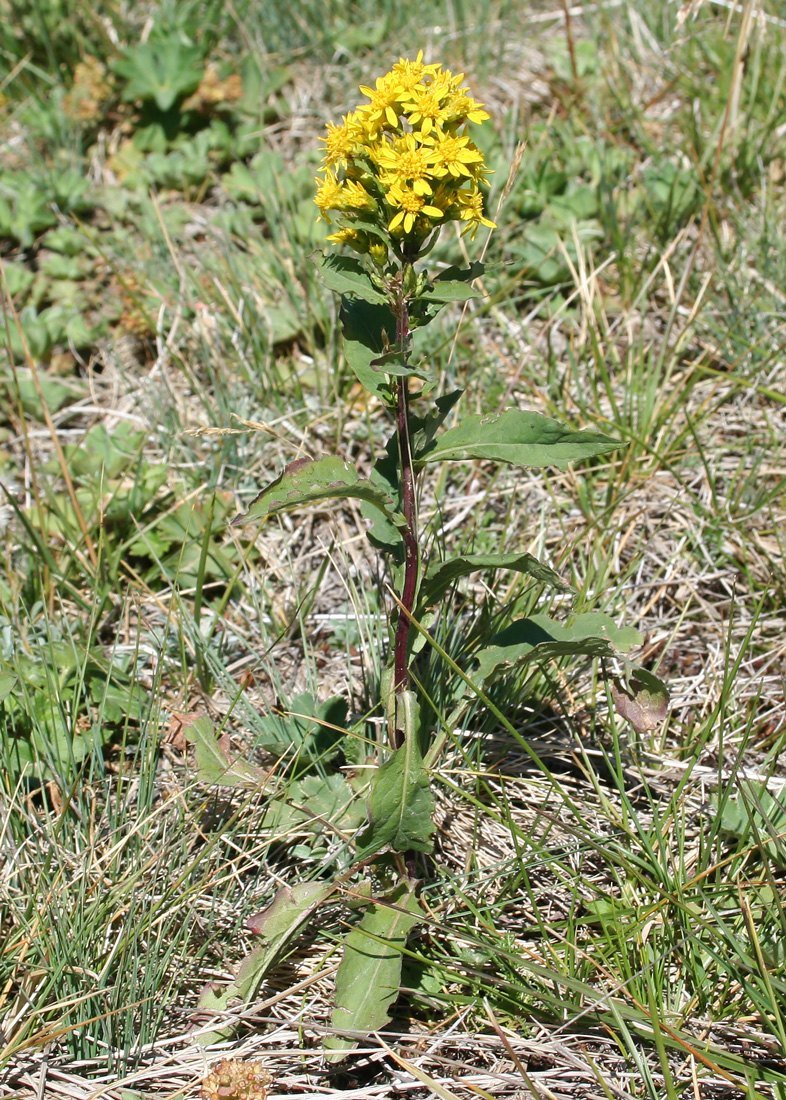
[454,154]
[470,205]
[404,160]
[409,73]
[355,196]
[409,204]
[428,105]
[463,107]
[358,241]
[328,193]
[341,141]
[384,98]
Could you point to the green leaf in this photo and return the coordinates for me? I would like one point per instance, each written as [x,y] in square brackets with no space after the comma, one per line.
[755,816]
[369,331]
[369,975]
[374,230]
[307,480]
[214,761]
[56,392]
[110,451]
[306,728]
[396,364]
[7,683]
[519,438]
[443,576]
[383,534]
[346,275]
[278,925]
[401,803]
[454,274]
[315,804]
[161,71]
[447,290]
[423,429]
[592,634]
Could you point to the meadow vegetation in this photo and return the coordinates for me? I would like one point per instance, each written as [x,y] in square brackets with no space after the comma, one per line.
[602,911]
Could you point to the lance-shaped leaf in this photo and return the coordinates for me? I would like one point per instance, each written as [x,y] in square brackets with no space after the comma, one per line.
[455,274]
[369,332]
[519,438]
[401,804]
[215,760]
[307,480]
[278,925]
[442,577]
[591,635]
[448,290]
[642,698]
[346,275]
[369,975]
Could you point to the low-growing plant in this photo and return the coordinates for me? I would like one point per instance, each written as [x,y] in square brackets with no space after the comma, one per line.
[396,170]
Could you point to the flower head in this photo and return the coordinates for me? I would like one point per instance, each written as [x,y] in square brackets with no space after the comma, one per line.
[407,204]
[404,160]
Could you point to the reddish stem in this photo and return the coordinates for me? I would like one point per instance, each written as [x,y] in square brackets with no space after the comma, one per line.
[409,530]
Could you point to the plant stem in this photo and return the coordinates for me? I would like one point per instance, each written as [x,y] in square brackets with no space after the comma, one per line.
[409,530]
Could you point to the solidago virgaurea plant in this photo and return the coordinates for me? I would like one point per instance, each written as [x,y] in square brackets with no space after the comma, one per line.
[396,170]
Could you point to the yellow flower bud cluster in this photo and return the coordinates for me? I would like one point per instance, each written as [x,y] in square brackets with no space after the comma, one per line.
[404,161]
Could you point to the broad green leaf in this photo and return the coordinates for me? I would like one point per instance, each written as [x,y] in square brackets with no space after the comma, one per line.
[277,925]
[315,804]
[369,330]
[346,275]
[56,393]
[110,451]
[442,577]
[7,682]
[307,480]
[401,804]
[519,438]
[215,762]
[369,975]
[591,635]
[642,698]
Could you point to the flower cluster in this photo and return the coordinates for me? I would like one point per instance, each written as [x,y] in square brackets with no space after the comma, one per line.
[404,162]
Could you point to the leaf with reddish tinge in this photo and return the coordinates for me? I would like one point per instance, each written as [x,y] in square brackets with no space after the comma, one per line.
[278,924]
[641,698]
